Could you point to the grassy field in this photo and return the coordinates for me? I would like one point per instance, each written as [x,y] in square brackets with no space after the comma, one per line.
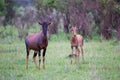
[102,62]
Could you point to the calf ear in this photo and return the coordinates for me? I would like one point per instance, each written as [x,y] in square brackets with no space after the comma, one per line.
[40,23]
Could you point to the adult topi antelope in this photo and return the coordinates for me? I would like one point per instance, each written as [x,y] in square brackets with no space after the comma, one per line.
[37,42]
[76,41]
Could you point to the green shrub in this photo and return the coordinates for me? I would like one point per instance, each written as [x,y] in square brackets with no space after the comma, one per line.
[7,32]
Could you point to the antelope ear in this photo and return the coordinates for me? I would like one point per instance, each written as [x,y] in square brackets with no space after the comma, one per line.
[40,23]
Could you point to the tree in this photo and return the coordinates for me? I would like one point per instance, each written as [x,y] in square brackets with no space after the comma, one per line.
[9,12]
[2,7]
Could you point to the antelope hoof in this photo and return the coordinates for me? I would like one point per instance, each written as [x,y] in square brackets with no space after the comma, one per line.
[37,67]
[26,67]
[43,67]
[71,62]
[83,60]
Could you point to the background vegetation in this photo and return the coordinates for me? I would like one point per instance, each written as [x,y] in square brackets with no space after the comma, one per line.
[101,17]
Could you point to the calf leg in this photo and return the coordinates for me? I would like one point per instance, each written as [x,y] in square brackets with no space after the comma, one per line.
[78,55]
[82,53]
[34,58]
[44,51]
[71,54]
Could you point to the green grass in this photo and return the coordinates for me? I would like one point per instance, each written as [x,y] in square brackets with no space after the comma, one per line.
[102,62]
